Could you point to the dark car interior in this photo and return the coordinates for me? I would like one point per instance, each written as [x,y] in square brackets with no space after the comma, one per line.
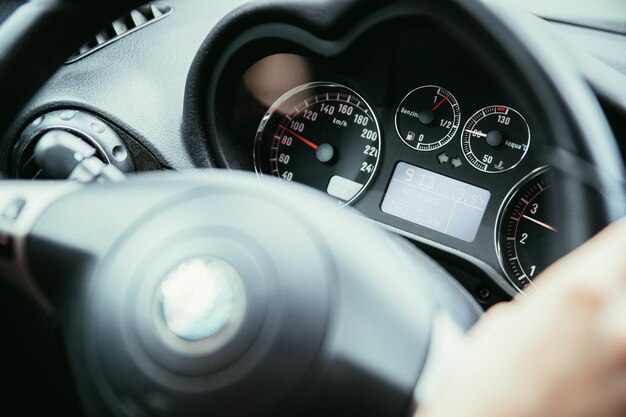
[359,172]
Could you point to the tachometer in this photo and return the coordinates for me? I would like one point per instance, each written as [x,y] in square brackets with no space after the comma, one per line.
[495,139]
[323,135]
[526,229]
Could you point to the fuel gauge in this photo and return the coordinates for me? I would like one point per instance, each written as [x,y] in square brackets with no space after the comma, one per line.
[427,118]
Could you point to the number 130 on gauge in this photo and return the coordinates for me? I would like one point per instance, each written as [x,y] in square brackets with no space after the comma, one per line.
[495,139]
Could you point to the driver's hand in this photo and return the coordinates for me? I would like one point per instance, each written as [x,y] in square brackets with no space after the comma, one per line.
[559,353]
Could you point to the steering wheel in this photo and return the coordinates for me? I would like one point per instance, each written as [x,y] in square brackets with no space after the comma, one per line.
[218,293]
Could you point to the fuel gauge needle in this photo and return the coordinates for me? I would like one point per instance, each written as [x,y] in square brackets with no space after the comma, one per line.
[439,103]
[542,224]
[301,138]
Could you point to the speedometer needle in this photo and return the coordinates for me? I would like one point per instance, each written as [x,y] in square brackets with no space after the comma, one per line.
[542,224]
[301,138]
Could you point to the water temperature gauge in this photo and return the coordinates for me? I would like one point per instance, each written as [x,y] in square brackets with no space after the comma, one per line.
[495,139]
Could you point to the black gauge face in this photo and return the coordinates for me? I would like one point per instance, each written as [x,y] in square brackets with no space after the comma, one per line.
[495,139]
[427,118]
[525,229]
[323,135]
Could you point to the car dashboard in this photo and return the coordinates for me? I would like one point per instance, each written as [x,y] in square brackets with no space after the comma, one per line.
[407,123]
[433,179]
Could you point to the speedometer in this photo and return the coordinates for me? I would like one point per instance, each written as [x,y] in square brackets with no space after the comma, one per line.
[323,135]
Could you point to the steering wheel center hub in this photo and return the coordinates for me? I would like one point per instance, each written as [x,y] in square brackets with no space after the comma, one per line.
[200,298]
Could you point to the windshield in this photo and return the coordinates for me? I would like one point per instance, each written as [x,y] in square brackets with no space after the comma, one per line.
[600,14]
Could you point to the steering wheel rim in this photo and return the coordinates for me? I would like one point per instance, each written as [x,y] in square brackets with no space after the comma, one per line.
[22,36]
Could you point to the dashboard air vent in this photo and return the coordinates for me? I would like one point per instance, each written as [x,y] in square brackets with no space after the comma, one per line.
[130,22]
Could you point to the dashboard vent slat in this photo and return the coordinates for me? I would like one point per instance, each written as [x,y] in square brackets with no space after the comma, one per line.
[156,12]
[102,38]
[119,27]
[138,18]
[134,20]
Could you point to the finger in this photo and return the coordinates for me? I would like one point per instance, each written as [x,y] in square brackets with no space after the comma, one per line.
[591,273]
[497,309]
[612,325]
[605,399]
[599,263]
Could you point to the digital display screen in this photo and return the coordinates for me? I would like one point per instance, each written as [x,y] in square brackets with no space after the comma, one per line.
[431,200]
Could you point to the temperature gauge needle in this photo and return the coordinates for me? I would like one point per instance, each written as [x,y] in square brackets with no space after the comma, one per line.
[301,138]
[476,133]
[542,224]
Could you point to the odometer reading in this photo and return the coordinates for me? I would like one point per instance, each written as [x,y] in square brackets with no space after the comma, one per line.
[525,229]
[323,135]
[434,201]
[495,139]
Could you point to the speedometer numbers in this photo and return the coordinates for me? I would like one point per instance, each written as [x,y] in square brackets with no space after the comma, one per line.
[323,135]
[427,118]
[495,139]
[526,227]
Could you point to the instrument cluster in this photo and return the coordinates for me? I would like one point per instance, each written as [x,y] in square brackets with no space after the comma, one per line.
[417,135]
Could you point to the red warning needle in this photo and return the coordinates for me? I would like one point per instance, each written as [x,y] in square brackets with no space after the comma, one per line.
[439,103]
[542,224]
[303,139]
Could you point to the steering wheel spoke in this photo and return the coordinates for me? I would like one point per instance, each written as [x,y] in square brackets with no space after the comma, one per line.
[21,204]
[171,279]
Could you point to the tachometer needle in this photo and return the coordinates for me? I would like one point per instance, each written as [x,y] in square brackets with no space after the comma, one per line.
[302,139]
[542,224]
[439,103]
